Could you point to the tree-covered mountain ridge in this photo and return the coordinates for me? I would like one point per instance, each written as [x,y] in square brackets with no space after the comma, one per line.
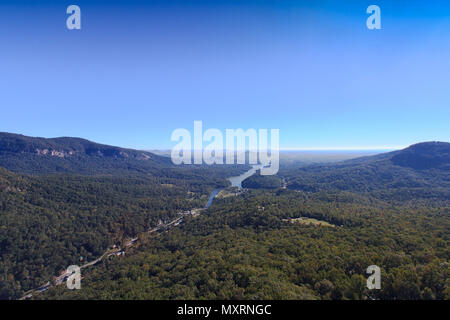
[66,147]
[419,156]
[33,155]
[421,170]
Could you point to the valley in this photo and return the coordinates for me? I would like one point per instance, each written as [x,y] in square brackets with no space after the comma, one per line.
[116,250]
[143,228]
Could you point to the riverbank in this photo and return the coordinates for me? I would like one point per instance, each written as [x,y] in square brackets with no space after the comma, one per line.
[235,182]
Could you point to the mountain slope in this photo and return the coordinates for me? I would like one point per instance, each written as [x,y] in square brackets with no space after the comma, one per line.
[429,155]
[32,155]
[101,195]
[49,222]
[419,171]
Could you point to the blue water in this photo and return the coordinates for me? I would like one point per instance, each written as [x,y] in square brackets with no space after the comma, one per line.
[211,197]
[235,182]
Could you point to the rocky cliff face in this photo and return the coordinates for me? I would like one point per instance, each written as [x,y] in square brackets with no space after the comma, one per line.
[64,147]
[32,155]
[53,153]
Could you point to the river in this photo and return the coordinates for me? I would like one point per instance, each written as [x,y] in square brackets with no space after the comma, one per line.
[235,182]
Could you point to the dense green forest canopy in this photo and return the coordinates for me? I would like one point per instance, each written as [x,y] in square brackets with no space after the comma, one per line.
[309,232]
[421,171]
[83,197]
[258,181]
[48,222]
[247,248]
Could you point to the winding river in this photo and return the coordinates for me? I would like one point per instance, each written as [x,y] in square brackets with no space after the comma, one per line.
[235,182]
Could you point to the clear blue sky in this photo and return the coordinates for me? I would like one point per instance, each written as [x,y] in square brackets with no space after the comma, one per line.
[136,71]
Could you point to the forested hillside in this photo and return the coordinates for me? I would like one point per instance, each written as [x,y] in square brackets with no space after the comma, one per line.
[306,233]
[31,155]
[255,247]
[49,222]
[82,198]
[418,172]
